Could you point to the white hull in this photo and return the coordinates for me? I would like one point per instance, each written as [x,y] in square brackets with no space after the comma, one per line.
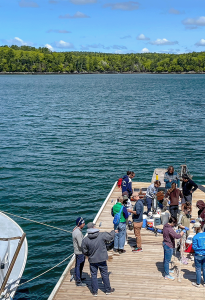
[9,228]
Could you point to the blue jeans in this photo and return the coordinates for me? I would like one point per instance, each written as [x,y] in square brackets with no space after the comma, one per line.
[149,204]
[119,240]
[79,264]
[104,273]
[167,258]
[199,264]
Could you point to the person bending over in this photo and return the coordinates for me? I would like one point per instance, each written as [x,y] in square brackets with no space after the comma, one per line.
[127,184]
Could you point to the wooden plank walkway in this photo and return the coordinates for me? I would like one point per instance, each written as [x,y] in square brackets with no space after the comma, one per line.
[135,275]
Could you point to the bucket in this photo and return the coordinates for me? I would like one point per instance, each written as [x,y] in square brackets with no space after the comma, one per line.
[157,220]
[188,244]
[164,218]
[144,224]
[150,223]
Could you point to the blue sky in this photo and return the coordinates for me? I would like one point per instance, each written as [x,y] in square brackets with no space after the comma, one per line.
[111,26]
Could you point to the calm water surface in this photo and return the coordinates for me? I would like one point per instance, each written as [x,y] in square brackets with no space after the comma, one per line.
[66,139]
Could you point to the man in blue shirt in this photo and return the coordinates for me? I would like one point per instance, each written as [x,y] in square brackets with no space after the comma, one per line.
[137,220]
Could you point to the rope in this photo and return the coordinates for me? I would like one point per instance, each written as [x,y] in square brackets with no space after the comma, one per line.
[45,271]
[35,221]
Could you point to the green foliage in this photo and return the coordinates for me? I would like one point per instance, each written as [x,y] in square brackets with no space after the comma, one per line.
[30,59]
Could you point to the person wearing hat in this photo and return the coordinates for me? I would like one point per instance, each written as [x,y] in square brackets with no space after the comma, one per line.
[201,213]
[77,245]
[188,187]
[198,245]
[94,246]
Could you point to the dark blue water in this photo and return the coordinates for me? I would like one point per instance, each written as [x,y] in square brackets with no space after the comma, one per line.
[65,140]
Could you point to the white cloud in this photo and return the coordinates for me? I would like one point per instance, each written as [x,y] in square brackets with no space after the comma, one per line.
[77,15]
[200,43]
[145,50]
[194,21]
[83,2]
[63,45]
[49,47]
[27,3]
[161,42]
[17,41]
[142,37]
[130,5]
[58,31]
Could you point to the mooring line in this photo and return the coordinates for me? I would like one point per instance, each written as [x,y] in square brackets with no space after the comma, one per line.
[35,221]
[45,271]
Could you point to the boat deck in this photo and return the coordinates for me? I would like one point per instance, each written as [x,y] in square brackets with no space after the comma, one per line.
[134,275]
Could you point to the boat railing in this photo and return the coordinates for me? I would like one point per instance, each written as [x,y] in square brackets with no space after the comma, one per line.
[4,259]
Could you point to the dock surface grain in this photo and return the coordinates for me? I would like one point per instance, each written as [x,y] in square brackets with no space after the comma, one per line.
[135,275]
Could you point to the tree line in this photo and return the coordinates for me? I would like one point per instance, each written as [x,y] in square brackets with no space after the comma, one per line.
[31,59]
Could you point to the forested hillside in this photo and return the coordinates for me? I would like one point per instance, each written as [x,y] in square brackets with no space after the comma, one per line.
[30,59]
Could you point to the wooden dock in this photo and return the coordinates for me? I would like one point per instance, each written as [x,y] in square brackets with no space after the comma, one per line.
[134,275]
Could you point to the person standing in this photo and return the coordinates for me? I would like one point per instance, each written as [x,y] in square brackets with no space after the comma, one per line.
[171,177]
[120,229]
[94,246]
[173,194]
[77,245]
[201,213]
[150,194]
[127,184]
[137,221]
[169,236]
[188,187]
[198,245]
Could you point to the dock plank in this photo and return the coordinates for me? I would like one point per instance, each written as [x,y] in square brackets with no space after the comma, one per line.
[136,275]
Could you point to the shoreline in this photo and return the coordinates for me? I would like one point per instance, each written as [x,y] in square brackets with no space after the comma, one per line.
[94,73]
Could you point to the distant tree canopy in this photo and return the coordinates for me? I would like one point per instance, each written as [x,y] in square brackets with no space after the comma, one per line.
[30,59]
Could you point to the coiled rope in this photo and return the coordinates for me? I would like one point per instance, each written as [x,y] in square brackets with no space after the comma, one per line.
[35,221]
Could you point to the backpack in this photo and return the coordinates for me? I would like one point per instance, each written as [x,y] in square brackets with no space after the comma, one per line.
[116,219]
[119,182]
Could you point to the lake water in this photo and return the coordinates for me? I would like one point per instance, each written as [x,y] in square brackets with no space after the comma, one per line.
[65,140]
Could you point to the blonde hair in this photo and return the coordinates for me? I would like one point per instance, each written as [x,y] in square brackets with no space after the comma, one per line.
[120,199]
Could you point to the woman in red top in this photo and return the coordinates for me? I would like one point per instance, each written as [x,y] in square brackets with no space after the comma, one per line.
[173,195]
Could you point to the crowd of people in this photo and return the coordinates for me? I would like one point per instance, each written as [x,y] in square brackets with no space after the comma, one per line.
[94,244]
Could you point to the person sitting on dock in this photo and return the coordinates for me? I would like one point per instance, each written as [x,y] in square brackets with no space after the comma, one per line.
[188,187]
[79,256]
[198,245]
[173,194]
[170,177]
[201,213]
[127,184]
[169,236]
[150,194]
[137,221]
[94,246]
[120,229]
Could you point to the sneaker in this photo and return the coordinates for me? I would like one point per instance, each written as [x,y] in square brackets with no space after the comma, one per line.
[115,250]
[122,251]
[110,292]
[81,284]
[137,250]
[195,284]
[95,294]
[169,277]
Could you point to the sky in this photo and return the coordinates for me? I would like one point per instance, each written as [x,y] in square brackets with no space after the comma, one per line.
[109,26]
